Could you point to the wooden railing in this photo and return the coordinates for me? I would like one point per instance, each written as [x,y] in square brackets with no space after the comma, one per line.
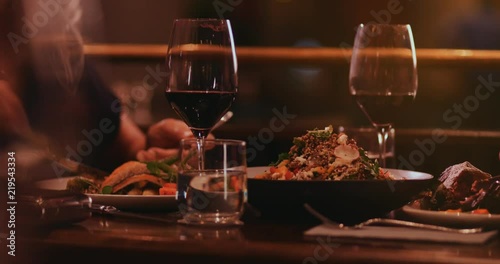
[307,56]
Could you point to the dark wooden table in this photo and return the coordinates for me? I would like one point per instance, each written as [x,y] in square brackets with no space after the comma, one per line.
[106,239]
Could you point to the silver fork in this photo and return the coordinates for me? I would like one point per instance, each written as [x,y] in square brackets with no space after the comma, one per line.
[392,222]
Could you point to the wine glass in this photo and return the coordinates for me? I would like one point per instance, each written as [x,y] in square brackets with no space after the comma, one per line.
[202,72]
[383,75]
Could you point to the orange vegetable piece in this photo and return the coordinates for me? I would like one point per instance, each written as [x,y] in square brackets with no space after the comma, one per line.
[235,183]
[480,211]
[169,188]
[384,173]
[282,170]
[166,191]
[170,185]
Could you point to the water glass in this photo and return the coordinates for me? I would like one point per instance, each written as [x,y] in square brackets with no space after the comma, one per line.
[217,193]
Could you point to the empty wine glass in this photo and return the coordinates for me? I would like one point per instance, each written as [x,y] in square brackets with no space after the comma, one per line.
[202,73]
[383,75]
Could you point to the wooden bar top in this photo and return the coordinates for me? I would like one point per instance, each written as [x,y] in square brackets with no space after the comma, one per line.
[102,239]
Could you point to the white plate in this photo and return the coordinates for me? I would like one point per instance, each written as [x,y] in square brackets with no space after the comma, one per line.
[462,219]
[123,202]
[132,202]
[254,171]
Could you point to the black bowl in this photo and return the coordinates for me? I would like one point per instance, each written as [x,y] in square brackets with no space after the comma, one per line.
[349,201]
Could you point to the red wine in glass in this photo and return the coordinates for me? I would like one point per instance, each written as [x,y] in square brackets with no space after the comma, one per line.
[202,73]
[200,109]
[383,75]
[383,109]
[202,87]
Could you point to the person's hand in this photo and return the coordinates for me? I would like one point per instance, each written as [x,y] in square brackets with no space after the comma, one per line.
[167,133]
[163,139]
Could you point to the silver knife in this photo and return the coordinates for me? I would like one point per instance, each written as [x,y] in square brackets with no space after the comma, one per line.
[113,211]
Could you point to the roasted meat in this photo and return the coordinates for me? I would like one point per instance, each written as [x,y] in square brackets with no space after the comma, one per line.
[463,187]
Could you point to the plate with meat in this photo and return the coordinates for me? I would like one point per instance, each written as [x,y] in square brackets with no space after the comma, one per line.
[332,174]
[465,197]
[137,186]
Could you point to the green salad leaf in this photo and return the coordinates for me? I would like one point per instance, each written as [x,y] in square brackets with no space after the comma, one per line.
[153,168]
[107,190]
[281,157]
[81,185]
[371,165]
[163,169]
[322,133]
[300,143]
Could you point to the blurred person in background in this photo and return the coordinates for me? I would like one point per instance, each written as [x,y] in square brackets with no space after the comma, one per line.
[52,99]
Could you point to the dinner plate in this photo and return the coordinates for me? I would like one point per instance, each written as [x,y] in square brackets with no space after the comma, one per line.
[454,219]
[346,201]
[254,171]
[122,202]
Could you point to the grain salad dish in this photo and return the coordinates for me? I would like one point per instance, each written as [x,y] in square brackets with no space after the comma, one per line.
[325,155]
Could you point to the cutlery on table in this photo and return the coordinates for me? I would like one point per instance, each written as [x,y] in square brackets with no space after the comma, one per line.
[108,210]
[391,222]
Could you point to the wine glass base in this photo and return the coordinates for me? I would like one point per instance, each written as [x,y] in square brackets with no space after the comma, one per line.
[207,223]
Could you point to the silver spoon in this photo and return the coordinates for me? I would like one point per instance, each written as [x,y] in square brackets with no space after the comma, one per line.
[393,222]
[223,119]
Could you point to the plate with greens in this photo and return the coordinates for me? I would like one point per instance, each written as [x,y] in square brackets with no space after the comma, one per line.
[138,186]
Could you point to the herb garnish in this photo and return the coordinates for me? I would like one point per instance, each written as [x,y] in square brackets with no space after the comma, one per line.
[107,190]
[300,143]
[281,157]
[371,165]
[322,134]
[81,184]
[163,169]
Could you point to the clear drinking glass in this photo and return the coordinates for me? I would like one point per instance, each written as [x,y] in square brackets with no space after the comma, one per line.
[383,75]
[217,193]
[202,72]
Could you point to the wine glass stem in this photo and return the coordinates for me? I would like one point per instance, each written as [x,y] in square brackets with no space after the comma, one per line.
[200,144]
[382,134]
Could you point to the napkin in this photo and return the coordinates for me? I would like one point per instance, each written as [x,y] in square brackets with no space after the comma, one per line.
[401,233]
